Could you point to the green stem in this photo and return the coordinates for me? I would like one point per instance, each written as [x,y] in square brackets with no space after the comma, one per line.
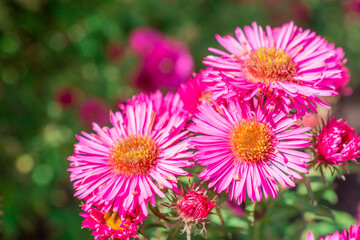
[251,213]
[188,232]
[309,190]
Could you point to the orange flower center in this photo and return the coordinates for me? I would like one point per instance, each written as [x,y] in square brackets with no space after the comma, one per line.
[268,65]
[252,142]
[113,220]
[133,155]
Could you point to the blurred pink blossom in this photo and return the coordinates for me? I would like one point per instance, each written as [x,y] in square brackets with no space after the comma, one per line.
[165,62]
[352,6]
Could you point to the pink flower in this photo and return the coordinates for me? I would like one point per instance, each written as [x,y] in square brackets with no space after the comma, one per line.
[165,62]
[192,206]
[110,225]
[336,143]
[352,234]
[248,147]
[117,166]
[295,65]
[93,110]
[193,92]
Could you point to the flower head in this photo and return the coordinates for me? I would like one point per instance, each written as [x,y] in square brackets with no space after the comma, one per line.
[109,224]
[117,167]
[336,143]
[192,206]
[352,234]
[295,65]
[247,147]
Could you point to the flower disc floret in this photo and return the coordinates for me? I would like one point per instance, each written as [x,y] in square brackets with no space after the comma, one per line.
[252,141]
[268,65]
[133,155]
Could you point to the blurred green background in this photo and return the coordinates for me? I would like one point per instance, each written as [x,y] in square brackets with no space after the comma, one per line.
[57,55]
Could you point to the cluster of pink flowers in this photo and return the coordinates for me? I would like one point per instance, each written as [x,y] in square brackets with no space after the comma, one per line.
[238,119]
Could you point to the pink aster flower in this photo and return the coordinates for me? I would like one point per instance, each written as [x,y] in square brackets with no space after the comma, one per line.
[248,147]
[107,225]
[117,166]
[193,92]
[352,234]
[295,65]
[336,143]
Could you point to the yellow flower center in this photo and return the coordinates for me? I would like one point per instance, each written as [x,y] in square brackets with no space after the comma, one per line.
[268,65]
[113,220]
[133,155]
[251,141]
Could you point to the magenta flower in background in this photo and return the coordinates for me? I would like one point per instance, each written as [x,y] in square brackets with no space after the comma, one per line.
[293,64]
[248,147]
[352,234]
[93,110]
[336,143]
[165,62]
[352,6]
[124,166]
[110,225]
